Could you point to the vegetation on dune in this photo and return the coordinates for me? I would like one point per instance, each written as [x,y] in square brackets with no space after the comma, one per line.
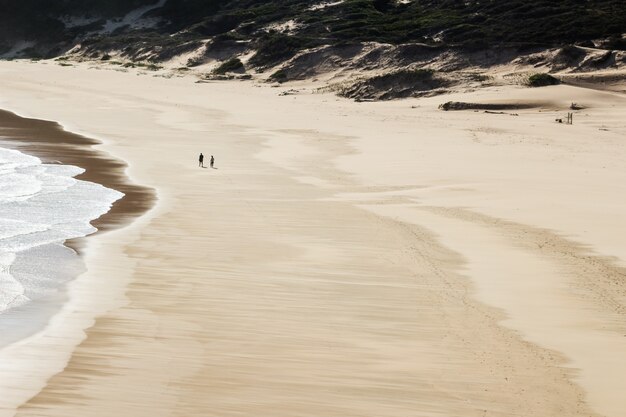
[273,48]
[279,76]
[232,65]
[396,84]
[450,23]
[542,80]
[459,105]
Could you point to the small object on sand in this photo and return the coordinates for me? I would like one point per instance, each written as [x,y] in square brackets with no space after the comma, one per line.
[289,92]
[569,121]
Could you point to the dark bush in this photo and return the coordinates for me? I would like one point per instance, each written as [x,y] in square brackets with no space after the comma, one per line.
[383,5]
[616,43]
[279,76]
[571,52]
[274,48]
[232,65]
[542,80]
[450,23]
[217,25]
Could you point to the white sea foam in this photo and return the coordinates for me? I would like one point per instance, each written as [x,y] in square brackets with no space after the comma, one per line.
[41,206]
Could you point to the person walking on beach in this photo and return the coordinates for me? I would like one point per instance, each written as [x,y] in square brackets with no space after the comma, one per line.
[201,160]
[212,161]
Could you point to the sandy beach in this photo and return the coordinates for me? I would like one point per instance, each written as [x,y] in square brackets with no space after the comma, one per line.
[382,259]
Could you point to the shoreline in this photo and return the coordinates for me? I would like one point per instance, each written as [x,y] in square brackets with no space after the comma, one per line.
[316,267]
[50,142]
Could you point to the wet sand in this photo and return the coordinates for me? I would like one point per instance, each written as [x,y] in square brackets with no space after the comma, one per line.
[53,144]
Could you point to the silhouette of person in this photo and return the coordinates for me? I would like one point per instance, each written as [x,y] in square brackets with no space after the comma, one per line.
[212,161]
[201,161]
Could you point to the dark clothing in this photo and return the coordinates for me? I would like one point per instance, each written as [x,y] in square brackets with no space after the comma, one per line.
[201,160]
[212,161]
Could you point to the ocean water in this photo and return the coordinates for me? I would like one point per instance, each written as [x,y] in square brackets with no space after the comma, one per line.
[41,206]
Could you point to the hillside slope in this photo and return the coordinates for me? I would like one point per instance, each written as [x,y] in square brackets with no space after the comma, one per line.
[305,23]
[297,39]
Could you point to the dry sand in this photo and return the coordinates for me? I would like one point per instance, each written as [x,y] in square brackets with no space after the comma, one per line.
[344,259]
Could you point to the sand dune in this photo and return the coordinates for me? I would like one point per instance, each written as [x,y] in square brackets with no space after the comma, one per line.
[344,259]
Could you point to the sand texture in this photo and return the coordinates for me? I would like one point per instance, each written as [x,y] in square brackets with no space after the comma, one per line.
[342,259]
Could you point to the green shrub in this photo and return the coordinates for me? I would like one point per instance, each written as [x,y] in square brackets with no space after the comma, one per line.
[195,61]
[405,75]
[274,48]
[616,42]
[571,52]
[450,23]
[279,76]
[153,67]
[542,80]
[232,65]
[479,77]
